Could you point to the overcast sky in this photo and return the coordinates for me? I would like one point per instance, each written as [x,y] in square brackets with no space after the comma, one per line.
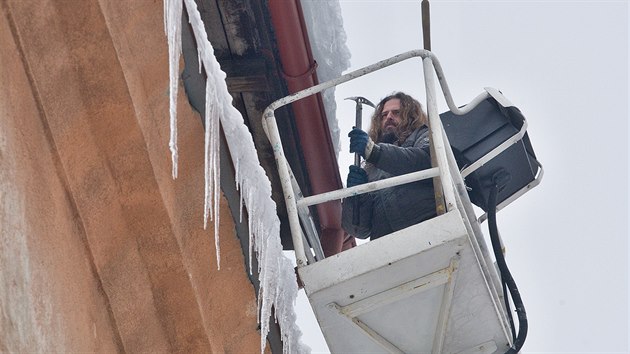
[564,64]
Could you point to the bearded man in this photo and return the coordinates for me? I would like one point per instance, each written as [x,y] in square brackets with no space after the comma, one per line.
[397,144]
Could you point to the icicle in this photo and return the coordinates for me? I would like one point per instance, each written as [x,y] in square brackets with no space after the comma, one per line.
[207,207]
[165,5]
[240,208]
[173,26]
[211,153]
[250,229]
[216,173]
[211,200]
[237,168]
[199,60]
[251,248]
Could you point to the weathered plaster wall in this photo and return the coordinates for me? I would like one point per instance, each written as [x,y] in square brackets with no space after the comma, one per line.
[100,249]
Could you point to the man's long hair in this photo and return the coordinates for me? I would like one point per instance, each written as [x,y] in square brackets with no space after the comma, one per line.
[412,117]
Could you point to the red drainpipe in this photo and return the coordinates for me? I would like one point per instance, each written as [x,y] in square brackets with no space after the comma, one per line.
[319,155]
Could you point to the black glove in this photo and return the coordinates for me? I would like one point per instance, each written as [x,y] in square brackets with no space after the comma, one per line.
[358,141]
[356,176]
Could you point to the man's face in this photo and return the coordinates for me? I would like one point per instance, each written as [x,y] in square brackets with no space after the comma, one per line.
[390,117]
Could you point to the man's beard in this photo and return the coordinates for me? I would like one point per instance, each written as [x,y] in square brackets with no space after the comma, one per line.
[389,137]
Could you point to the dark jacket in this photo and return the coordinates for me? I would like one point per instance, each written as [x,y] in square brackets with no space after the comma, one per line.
[387,210]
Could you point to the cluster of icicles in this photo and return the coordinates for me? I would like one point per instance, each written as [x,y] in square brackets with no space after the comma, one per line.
[278,285]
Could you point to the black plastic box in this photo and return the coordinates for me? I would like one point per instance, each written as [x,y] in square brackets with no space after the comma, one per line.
[478,132]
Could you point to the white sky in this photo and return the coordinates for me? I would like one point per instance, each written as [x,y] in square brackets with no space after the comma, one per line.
[564,64]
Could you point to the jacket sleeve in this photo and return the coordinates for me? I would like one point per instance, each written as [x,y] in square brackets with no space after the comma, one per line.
[399,160]
[364,228]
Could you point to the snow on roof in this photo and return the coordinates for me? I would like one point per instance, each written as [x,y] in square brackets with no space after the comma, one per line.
[328,43]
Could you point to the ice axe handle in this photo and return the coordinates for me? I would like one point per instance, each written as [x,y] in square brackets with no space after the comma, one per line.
[356,215]
[357,158]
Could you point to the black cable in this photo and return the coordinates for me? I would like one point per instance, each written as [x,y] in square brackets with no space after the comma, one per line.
[509,311]
[499,180]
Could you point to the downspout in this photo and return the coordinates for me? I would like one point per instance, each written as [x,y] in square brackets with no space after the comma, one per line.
[299,67]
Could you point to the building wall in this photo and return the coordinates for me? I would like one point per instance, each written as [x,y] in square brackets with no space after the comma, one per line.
[100,249]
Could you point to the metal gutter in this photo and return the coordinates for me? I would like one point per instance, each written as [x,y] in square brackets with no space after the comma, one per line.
[298,68]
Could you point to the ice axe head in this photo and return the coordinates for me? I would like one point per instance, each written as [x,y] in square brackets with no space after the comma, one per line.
[361,100]
[358,118]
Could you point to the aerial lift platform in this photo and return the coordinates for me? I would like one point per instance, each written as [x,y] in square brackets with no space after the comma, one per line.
[432,287]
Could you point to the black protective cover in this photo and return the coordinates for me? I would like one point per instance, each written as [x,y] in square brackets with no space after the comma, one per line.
[478,132]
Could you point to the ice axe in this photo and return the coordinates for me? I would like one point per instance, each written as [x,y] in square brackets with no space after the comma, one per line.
[360,101]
